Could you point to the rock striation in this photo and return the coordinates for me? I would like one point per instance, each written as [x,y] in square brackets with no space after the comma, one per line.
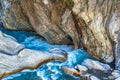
[90,24]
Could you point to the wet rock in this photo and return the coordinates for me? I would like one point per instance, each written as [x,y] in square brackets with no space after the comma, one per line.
[95,65]
[26,59]
[116,73]
[68,70]
[94,78]
[118,78]
[81,68]
[9,45]
[57,51]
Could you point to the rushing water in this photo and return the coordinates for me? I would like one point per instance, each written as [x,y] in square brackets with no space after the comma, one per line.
[48,71]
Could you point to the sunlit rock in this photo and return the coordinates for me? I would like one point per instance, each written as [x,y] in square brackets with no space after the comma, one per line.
[95,65]
[94,78]
[26,59]
[70,70]
[9,45]
[81,68]
[116,73]
[58,51]
[118,78]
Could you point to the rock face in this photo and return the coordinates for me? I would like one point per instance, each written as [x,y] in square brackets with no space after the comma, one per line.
[90,24]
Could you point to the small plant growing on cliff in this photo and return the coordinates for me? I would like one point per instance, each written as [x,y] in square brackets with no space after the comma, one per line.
[69,3]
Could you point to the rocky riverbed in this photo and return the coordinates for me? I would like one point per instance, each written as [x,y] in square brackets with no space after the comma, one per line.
[78,65]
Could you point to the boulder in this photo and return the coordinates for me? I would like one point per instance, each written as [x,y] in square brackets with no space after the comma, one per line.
[81,68]
[26,59]
[116,73]
[94,78]
[95,65]
[57,51]
[9,45]
[118,78]
[69,70]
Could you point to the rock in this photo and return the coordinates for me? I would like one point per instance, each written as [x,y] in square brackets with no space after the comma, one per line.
[118,78]
[26,59]
[74,22]
[77,22]
[116,73]
[70,70]
[9,45]
[94,78]
[81,68]
[57,51]
[95,65]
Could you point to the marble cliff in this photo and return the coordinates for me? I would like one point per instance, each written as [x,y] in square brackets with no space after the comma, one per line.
[90,24]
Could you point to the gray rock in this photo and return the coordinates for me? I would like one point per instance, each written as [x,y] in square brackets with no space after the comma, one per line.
[9,45]
[58,51]
[69,70]
[116,73]
[81,68]
[94,78]
[118,78]
[26,59]
[95,65]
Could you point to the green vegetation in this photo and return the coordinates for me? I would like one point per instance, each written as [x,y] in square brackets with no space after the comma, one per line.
[69,3]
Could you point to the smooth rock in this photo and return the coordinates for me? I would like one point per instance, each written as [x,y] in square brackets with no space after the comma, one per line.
[117,78]
[26,59]
[9,45]
[57,51]
[70,70]
[94,78]
[95,65]
[116,73]
[81,68]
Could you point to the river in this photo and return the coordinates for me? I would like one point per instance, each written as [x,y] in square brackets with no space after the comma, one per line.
[48,71]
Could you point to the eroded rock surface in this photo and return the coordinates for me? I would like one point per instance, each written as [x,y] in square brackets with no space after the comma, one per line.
[90,24]
[26,59]
[9,45]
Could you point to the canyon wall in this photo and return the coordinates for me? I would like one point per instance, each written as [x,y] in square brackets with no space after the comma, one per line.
[90,24]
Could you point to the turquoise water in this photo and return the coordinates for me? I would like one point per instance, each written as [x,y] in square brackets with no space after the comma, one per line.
[48,71]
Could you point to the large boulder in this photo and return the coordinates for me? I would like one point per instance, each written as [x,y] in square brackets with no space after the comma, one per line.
[9,45]
[26,59]
[93,64]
